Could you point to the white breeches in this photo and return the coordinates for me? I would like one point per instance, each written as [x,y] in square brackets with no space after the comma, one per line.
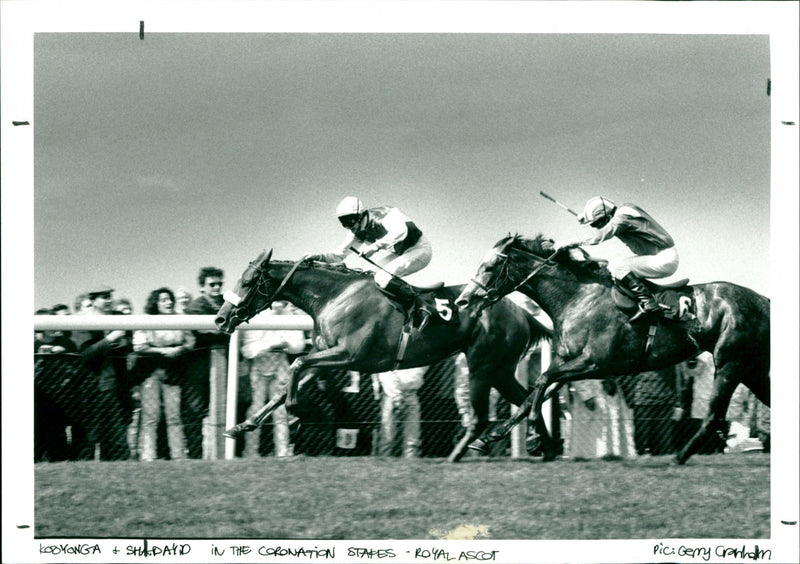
[659,265]
[413,260]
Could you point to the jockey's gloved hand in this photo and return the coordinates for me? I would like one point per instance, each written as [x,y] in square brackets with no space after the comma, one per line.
[310,257]
[370,250]
[563,245]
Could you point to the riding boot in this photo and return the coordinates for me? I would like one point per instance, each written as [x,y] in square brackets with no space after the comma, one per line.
[406,296]
[648,307]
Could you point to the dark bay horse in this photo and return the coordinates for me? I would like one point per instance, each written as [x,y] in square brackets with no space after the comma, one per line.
[359,329]
[592,336]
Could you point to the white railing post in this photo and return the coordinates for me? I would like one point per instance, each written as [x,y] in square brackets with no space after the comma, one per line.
[520,432]
[547,406]
[233,393]
[213,440]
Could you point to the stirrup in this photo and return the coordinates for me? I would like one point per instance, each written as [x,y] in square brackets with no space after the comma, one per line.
[643,315]
[425,318]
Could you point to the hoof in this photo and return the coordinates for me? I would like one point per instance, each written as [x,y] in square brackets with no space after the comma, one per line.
[679,461]
[479,446]
[237,430]
[533,446]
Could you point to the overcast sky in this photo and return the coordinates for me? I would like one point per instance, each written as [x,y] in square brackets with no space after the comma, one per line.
[154,158]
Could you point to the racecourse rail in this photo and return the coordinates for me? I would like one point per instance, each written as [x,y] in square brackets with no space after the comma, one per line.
[219,387]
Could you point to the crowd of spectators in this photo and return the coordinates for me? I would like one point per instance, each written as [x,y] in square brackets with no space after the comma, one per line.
[101,394]
[115,395]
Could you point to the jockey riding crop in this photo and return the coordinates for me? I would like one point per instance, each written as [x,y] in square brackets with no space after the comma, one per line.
[552,199]
[373,263]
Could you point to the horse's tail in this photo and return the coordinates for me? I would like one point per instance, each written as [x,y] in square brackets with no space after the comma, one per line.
[538,330]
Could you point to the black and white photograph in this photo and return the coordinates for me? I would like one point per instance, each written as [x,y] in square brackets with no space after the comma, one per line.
[447,281]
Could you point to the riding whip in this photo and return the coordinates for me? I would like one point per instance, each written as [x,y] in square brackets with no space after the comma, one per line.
[552,199]
[373,263]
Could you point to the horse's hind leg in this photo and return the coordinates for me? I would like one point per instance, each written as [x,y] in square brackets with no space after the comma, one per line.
[334,357]
[510,388]
[757,380]
[726,378]
[474,430]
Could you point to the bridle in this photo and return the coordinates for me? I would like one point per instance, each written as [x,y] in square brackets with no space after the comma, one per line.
[242,307]
[492,291]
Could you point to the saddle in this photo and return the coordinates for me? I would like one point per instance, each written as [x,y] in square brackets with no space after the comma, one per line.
[676,299]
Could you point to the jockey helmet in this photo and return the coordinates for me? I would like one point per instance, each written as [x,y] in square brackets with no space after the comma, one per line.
[349,206]
[349,211]
[597,210]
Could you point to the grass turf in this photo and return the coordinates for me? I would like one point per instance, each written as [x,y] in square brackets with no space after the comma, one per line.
[717,496]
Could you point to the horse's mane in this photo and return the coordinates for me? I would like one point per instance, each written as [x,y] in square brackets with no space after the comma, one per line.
[339,268]
[542,247]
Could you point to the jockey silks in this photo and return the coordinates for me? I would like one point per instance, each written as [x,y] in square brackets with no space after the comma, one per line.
[636,229]
[374,229]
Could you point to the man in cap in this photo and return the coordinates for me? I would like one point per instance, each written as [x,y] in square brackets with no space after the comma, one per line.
[387,230]
[653,248]
[103,355]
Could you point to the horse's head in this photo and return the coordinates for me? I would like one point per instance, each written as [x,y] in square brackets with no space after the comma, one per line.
[502,270]
[253,293]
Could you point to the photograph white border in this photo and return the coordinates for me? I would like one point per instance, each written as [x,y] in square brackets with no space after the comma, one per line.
[21,20]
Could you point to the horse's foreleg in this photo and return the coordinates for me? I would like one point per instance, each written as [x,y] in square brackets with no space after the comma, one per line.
[725,381]
[334,357]
[257,419]
[556,373]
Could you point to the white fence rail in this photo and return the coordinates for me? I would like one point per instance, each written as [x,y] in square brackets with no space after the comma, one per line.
[193,322]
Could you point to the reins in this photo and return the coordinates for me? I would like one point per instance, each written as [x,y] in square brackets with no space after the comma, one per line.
[285,280]
[236,301]
[544,262]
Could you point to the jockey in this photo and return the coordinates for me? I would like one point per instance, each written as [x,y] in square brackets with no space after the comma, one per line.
[383,229]
[654,250]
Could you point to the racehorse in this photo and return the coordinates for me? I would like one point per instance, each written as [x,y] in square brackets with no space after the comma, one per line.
[592,338]
[359,329]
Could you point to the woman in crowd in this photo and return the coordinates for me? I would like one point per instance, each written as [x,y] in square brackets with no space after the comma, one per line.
[161,350]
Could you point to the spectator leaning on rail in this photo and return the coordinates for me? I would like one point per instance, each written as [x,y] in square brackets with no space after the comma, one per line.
[83,303]
[654,249]
[52,374]
[384,229]
[267,352]
[103,355]
[61,309]
[164,349]
[182,300]
[195,396]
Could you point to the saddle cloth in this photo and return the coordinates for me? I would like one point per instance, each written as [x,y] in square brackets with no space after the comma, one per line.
[439,299]
[676,299]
